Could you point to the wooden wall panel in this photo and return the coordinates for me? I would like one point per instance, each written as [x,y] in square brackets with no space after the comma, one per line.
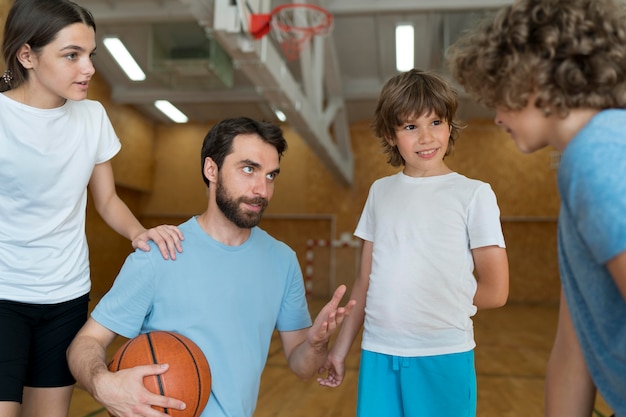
[5,5]
[293,177]
[178,186]
[533,265]
[133,166]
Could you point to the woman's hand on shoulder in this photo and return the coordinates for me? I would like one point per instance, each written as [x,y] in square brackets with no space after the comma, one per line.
[168,238]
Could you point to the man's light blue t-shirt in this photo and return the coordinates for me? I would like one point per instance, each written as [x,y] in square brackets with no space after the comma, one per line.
[227,299]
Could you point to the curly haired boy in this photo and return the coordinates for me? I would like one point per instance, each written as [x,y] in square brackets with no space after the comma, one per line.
[555,73]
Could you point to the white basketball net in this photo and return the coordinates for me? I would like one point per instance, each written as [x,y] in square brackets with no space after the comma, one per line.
[294,26]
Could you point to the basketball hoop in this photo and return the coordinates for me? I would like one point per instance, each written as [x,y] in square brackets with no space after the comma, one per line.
[292,25]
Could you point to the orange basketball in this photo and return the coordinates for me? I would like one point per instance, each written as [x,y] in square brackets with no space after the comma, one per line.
[188,377]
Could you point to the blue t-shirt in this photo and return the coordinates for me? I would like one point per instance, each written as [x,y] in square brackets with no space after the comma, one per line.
[592,230]
[227,299]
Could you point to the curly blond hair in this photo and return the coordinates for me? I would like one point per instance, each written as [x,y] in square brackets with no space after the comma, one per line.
[412,94]
[572,54]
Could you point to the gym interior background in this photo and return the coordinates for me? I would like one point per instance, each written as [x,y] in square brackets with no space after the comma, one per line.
[158,175]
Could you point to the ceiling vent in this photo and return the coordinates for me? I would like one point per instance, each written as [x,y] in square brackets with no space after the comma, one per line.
[184,56]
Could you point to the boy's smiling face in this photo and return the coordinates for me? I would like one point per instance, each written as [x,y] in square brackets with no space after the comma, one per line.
[423,142]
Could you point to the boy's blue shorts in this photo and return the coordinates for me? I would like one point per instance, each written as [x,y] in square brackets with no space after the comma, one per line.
[425,386]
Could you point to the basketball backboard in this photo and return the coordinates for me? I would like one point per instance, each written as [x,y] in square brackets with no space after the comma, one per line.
[234,16]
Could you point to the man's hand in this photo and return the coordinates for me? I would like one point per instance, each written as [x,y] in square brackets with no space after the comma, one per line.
[329,319]
[123,394]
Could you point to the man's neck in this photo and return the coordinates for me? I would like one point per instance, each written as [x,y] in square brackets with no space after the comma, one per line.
[216,225]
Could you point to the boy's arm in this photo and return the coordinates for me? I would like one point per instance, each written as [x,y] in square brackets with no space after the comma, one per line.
[119,217]
[335,363]
[492,273]
[569,390]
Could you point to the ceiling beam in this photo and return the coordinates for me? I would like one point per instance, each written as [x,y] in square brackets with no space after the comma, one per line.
[355,7]
[140,95]
[143,11]
[139,11]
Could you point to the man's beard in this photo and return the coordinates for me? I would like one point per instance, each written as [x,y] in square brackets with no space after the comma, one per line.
[230,207]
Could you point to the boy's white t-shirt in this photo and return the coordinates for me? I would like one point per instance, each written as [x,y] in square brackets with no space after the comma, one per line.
[421,289]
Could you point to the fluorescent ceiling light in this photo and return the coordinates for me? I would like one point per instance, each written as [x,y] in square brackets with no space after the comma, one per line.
[405,48]
[280,115]
[170,111]
[124,58]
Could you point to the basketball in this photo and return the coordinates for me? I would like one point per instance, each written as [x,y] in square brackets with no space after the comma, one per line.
[188,377]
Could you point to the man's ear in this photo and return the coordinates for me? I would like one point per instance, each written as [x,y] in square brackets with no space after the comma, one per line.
[26,56]
[210,169]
